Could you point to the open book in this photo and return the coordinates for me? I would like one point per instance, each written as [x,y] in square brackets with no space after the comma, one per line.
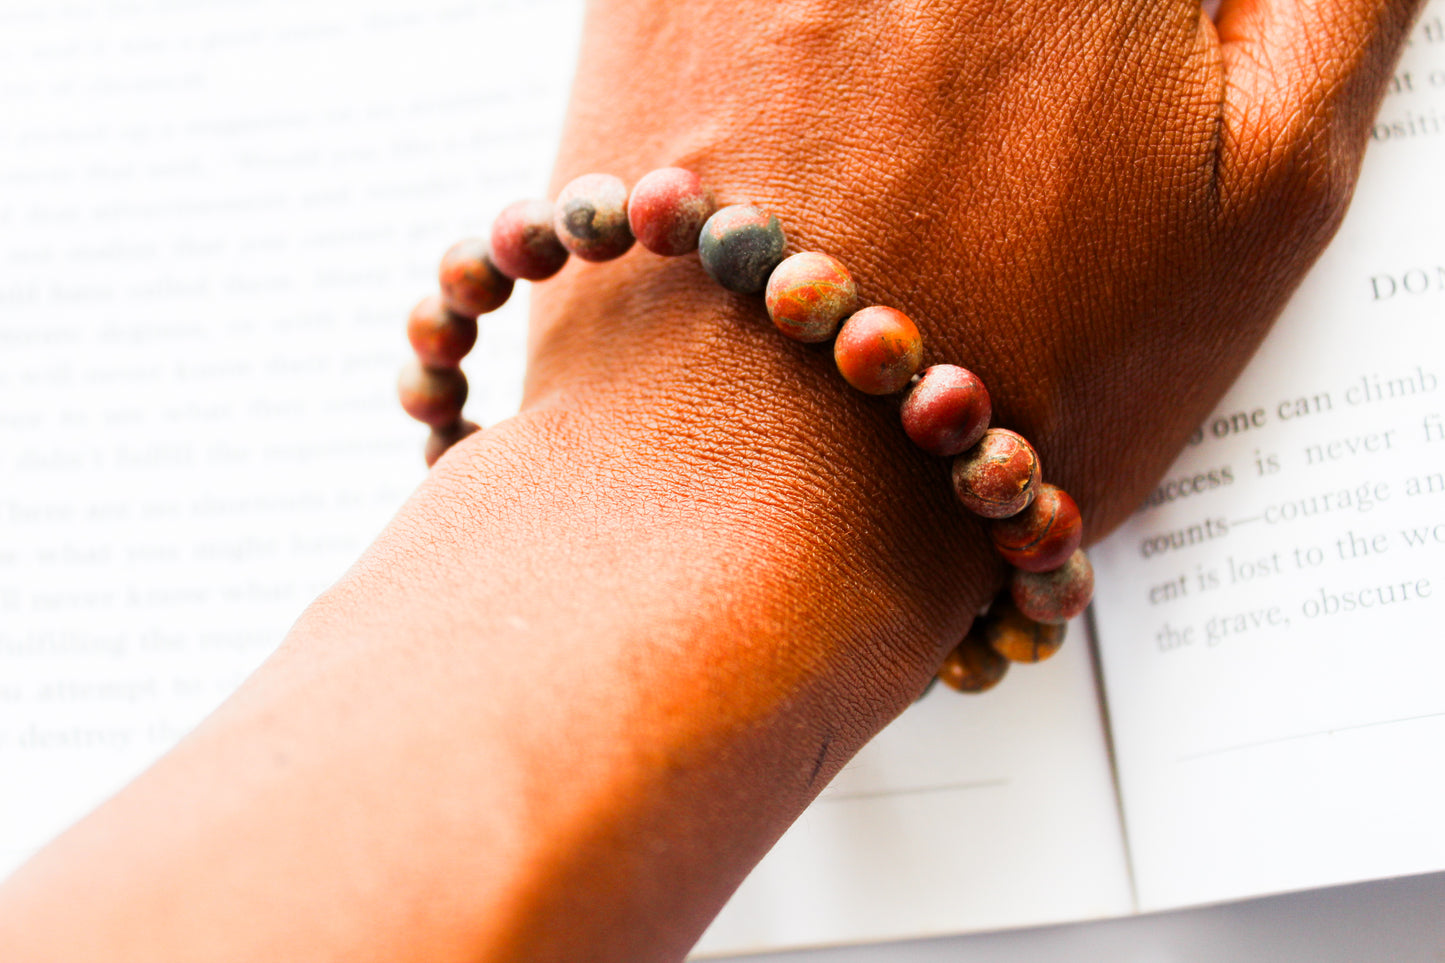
[198,433]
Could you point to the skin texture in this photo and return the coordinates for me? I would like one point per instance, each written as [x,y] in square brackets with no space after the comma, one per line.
[600,661]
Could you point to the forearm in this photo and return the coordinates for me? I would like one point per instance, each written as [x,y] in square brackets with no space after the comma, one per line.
[684,606]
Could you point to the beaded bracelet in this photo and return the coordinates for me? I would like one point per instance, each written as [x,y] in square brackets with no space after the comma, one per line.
[1035,526]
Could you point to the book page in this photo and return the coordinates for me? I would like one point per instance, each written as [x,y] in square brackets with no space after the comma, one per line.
[1271,622]
[219,217]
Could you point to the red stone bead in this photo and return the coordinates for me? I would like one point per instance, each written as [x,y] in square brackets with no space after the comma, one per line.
[444,437]
[1043,535]
[973,666]
[808,295]
[470,283]
[878,350]
[997,477]
[432,395]
[440,337]
[524,242]
[947,411]
[591,217]
[1019,638]
[667,210]
[1055,596]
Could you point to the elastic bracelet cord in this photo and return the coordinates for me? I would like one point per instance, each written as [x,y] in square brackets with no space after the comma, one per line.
[812,298]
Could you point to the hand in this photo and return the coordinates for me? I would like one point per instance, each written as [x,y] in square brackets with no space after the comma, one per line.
[1098,208]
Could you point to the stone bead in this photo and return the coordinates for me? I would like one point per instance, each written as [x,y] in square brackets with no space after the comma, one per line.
[524,242]
[878,350]
[667,210]
[470,282]
[997,477]
[432,395]
[974,666]
[440,337]
[947,411]
[739,247]
[1019,638]
[1055,596]
[591,217]
[808,295]
[1042,536]
[444,437]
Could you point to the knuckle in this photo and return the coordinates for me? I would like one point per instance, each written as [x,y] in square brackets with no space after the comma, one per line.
[1302,179]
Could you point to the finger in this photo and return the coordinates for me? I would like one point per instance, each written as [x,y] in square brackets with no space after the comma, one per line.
[1302,80]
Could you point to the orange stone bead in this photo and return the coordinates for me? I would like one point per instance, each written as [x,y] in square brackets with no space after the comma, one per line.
[1019,638]
[1042,536]
[434,396]
[878,350]
[470,282]
[1055,596]
[997,477]
[440,337]
[974,666]
[808,295]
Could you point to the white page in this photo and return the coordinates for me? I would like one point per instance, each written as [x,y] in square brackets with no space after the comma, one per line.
[220,217]
[1269,737]
[217,218]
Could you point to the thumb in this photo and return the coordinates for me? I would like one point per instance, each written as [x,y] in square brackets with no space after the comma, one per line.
[1302,80]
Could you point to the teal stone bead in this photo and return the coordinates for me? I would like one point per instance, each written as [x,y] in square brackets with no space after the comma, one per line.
[739,247]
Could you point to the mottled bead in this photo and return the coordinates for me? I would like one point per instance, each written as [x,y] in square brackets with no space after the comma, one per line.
[524,242]
[440,337]
[667,210]
[1019,638]
[1043,535]
[809,294]
[739,247]
[997,477]
[432,395]
[947,411]
[1055,596]
[591,217]
[444,437]
[878,350]
[973,666]
[470,282]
